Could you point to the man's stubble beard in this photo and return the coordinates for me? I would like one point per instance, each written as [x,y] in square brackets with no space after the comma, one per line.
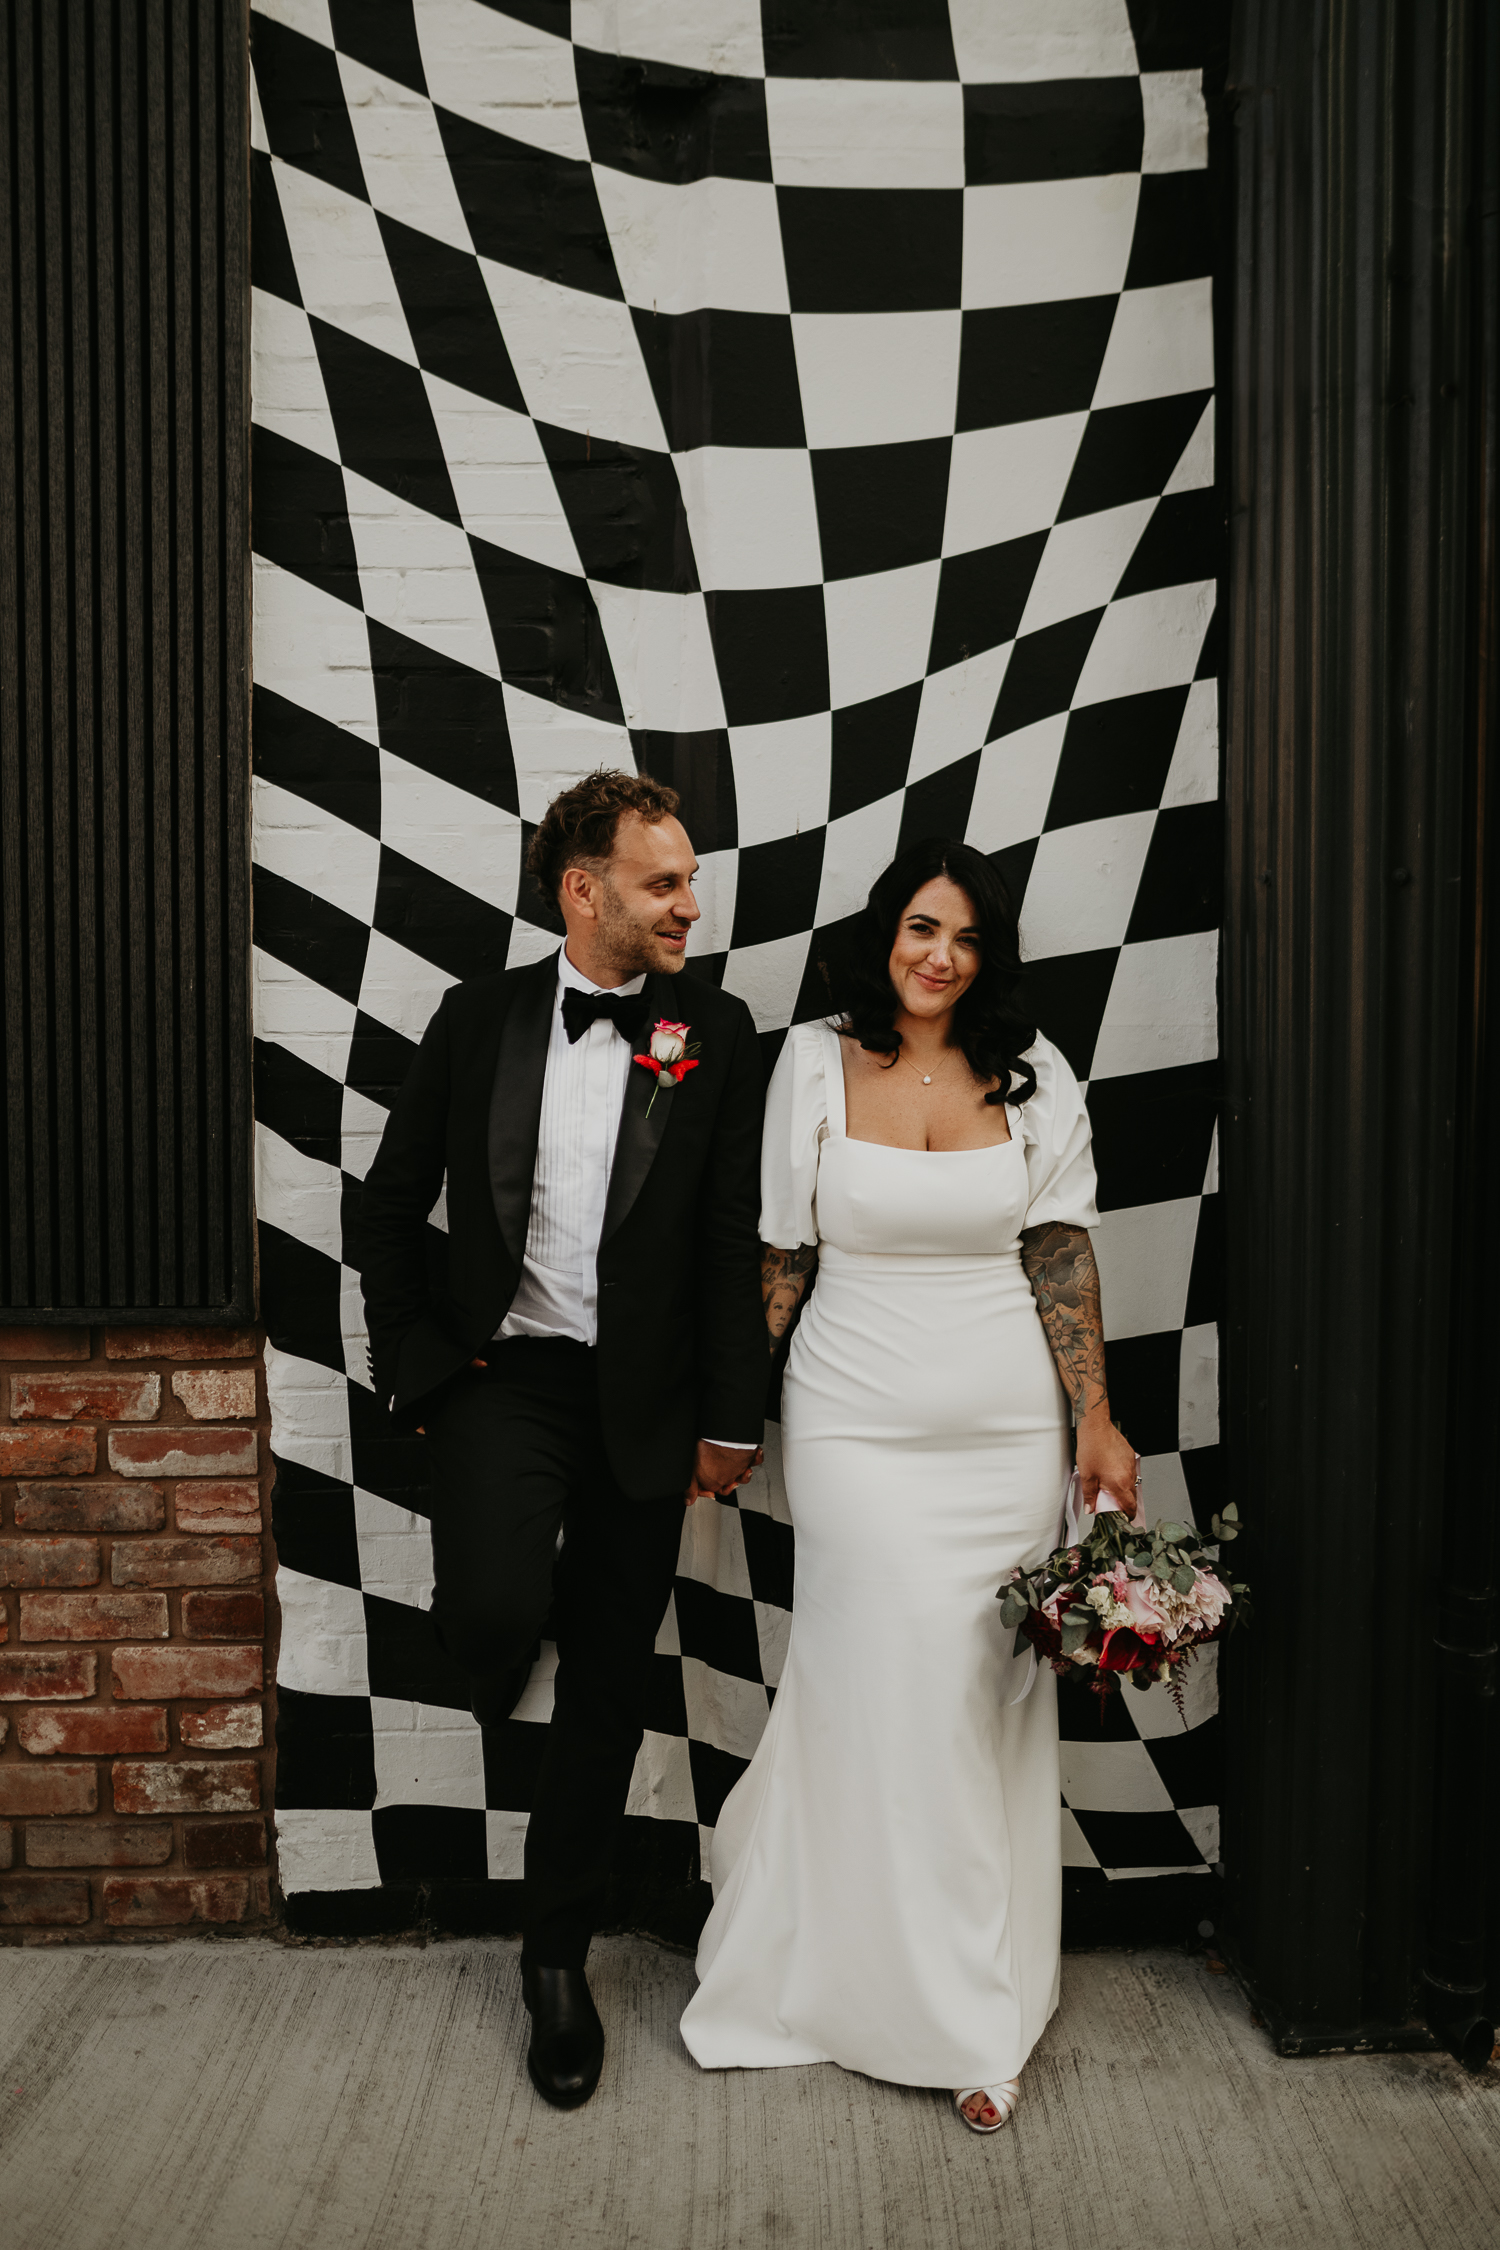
[626,943]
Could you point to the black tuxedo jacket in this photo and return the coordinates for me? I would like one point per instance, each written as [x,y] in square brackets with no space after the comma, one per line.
[682,1341]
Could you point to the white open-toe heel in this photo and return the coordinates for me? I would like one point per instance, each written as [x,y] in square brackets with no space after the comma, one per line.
[1002,2098]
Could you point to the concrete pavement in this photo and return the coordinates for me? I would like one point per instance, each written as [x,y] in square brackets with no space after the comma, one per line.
[255,2096]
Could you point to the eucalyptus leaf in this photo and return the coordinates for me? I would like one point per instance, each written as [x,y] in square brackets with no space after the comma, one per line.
[1183,1579]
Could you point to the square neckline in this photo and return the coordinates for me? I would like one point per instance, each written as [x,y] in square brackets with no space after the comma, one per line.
[838,1110]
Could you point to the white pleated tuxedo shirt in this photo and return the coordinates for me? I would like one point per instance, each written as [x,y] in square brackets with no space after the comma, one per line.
[583,1094]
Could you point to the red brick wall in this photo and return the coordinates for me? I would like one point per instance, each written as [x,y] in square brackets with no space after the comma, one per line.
[134,1779]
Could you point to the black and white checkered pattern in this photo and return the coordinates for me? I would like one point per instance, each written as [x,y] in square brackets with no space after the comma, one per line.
[812,405]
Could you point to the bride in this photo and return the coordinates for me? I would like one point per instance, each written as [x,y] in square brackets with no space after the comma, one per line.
[887,1881]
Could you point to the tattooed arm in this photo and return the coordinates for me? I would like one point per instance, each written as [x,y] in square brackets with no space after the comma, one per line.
[1059,1263]
[783,1278]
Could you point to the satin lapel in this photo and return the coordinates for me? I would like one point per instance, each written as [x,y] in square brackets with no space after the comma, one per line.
[516,1102]
[640,1134]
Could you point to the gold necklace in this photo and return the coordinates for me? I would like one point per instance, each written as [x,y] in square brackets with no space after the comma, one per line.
[927,1076]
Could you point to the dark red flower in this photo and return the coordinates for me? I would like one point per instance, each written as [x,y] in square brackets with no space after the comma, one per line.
[1124,1651]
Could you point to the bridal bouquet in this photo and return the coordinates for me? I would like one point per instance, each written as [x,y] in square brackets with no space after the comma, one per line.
[1125,1602]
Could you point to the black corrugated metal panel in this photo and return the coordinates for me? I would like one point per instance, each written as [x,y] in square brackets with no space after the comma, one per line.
[124,850]
[1357,614]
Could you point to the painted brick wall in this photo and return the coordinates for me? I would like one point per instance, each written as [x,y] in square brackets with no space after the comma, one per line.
[134,1777]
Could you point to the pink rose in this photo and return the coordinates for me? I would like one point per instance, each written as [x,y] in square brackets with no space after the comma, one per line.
[1138,1596]
[1196,1612]
[669,1041]
[1210,1598]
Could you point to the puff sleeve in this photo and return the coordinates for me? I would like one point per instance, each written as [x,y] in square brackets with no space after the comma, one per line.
[1059,1144]
[796,1106]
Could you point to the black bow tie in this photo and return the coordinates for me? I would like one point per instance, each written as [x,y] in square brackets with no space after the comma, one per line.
[625,1010]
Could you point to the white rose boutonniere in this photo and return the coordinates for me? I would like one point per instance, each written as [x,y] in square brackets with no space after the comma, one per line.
[670,1054]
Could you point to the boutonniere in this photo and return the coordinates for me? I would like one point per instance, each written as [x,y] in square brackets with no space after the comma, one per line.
[670,1054]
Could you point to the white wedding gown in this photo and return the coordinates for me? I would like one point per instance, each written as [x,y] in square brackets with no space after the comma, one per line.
[887,1879]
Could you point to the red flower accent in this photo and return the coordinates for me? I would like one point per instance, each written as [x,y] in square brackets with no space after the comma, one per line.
[676,1071]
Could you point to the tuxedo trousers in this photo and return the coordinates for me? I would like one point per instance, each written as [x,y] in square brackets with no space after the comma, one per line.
[517,1455]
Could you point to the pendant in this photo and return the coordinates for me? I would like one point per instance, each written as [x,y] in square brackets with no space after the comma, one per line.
[927,1082]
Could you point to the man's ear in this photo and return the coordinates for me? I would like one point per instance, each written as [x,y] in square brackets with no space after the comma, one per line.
[576,890]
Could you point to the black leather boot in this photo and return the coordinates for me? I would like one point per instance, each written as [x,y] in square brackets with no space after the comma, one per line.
[566,2053]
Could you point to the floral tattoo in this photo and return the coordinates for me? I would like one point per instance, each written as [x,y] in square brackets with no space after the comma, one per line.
[783,1277]
[1059,1264]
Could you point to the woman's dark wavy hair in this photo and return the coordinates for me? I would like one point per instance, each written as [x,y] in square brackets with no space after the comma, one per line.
[990,1029]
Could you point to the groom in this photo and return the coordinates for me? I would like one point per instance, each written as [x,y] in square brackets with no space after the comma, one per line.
[585,1350]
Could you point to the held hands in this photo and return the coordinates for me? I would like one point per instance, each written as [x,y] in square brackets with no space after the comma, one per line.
[1106,1457]
[717,1469]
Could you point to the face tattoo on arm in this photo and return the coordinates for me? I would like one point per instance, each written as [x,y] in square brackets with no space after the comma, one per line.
[783,1278]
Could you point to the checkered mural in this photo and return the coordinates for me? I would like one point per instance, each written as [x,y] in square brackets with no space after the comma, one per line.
[811,404]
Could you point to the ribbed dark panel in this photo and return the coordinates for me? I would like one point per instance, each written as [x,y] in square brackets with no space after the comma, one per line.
[1359,618]
[124,539]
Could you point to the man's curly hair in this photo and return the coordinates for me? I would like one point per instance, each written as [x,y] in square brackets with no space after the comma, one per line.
[578,828]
